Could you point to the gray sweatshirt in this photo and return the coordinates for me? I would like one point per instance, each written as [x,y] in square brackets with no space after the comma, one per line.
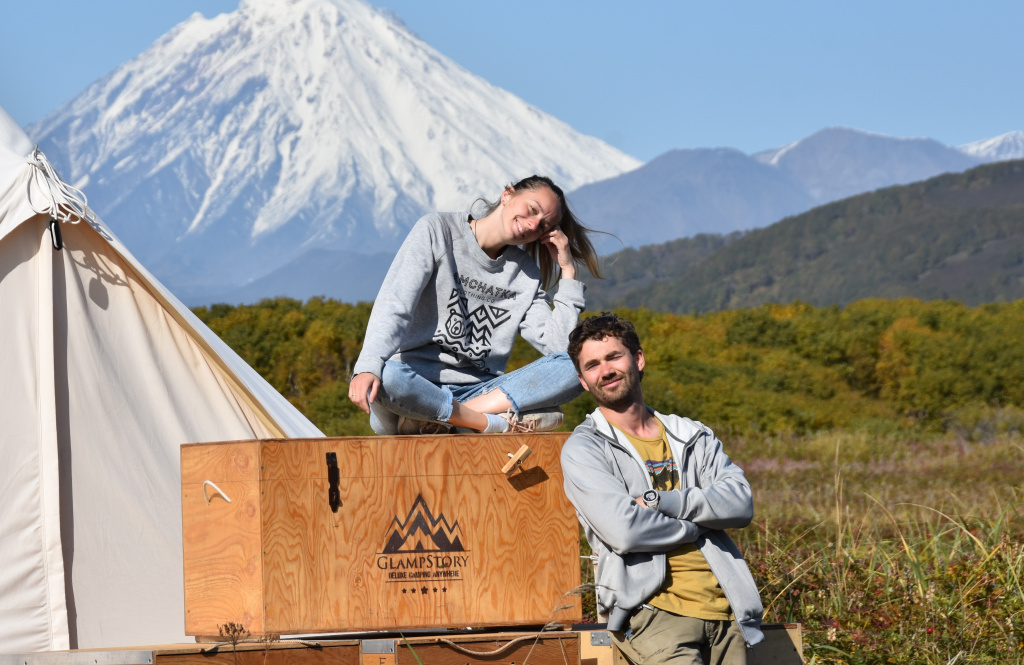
[452,313]
[604,473]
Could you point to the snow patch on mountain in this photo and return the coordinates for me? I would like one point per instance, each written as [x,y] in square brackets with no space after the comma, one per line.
[998,149]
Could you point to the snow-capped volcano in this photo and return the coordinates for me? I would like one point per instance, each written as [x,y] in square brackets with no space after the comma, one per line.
[998,149]
[234,144]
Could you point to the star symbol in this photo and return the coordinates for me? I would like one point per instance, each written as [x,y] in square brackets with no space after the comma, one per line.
[403,591]
[444,589]
[435,589]
[424,590]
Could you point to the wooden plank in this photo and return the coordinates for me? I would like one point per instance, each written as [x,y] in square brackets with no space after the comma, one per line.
[299,459]
[537,649]
[270,654]
[221,541]
[231,460]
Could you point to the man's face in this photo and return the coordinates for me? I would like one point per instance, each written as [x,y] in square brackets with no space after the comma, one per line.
[611,373]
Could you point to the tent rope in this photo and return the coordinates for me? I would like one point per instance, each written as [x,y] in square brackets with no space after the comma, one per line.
[63,202]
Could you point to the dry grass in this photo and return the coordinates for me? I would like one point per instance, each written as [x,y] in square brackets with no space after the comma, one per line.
[891,552]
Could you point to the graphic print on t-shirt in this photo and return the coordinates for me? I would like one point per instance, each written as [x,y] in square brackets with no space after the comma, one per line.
[664,475]
[467,333]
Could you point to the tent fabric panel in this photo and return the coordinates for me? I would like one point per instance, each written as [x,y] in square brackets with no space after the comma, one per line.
[32,605]
[15,207]
[49,424]
[286,418]
[155,388]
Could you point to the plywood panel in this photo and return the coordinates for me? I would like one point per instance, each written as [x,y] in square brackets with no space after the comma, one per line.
[221,540]
[288,567]
[315,557]
[530,531]
[417,540]
[343,545]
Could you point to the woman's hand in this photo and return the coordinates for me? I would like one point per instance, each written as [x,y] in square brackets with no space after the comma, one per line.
[558,244]
[362,385]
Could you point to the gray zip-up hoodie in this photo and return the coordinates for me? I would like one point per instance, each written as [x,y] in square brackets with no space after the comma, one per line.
[452,313]
[603,475]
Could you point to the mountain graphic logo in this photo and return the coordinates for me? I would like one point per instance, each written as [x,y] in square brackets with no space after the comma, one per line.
[422,532]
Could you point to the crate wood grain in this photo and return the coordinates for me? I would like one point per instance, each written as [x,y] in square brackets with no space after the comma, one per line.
[428,532]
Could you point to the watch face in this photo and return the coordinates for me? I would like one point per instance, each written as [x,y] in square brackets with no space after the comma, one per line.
[650,495]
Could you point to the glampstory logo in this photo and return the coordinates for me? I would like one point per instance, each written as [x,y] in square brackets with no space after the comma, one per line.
[423,549]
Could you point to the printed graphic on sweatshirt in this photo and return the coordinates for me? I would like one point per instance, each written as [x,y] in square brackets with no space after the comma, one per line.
[480,290]
[467,333]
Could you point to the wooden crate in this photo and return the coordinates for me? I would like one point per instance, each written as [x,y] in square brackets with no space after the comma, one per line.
[425,532]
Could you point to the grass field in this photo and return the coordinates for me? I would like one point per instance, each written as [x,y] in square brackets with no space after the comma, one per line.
[890,551]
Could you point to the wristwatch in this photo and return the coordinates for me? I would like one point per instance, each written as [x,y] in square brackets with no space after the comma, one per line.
[651,498]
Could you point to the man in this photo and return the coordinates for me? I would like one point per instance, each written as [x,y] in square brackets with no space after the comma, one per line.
[654,493]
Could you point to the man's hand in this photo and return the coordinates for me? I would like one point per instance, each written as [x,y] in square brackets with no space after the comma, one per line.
[640,502]
[362,386]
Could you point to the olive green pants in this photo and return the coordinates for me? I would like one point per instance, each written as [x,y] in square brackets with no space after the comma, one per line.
[657,637]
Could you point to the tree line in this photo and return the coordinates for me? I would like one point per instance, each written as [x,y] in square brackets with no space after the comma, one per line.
[899,368]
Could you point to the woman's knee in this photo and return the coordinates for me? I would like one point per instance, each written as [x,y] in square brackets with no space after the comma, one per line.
[397,380]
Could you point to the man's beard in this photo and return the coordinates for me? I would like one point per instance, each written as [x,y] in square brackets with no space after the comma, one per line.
[622,396]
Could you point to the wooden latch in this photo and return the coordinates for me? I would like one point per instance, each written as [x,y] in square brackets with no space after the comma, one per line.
[515,462]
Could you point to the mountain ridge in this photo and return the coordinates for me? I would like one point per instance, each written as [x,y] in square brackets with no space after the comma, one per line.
[691,192]
[955,236]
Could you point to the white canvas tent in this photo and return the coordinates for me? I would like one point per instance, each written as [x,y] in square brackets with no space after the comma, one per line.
[103,374]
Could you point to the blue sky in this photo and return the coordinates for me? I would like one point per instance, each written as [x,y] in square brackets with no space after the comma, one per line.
[647,76]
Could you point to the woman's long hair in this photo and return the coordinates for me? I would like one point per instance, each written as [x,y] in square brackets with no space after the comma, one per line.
[579,243]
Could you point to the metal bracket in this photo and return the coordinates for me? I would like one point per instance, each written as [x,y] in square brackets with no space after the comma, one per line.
[378,646]
[600,638]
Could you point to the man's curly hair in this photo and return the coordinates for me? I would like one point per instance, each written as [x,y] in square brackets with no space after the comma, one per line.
[600,327]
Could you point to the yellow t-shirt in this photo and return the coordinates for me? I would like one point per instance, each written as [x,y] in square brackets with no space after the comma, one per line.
[690,587]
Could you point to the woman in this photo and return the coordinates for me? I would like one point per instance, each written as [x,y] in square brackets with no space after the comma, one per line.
[455,297]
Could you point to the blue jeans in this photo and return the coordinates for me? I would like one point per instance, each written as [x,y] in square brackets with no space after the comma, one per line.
[547,381]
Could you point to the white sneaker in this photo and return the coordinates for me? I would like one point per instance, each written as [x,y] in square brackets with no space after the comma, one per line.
[413,426]
[537,420]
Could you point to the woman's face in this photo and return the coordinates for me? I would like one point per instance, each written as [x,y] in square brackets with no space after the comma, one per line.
[528,214]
